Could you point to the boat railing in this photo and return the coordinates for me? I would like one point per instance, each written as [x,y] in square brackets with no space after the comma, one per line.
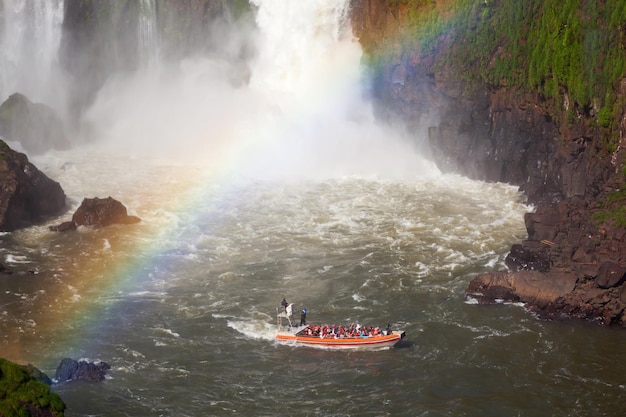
[286,313]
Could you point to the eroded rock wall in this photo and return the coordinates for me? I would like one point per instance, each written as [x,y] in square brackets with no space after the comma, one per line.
[501,133]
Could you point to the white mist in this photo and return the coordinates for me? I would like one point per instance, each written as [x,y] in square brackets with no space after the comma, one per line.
[29,43]
[301,115]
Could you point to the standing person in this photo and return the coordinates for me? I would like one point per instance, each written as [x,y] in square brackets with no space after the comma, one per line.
[303,317]
[284,304]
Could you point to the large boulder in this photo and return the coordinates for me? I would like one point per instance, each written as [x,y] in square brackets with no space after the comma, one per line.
[97,212]
[71,370]
[533,287]
[27,196]
[34,125]
[102,212]
[610,274]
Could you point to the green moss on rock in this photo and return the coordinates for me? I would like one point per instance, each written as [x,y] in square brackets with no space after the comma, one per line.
[22,395]
[566,50]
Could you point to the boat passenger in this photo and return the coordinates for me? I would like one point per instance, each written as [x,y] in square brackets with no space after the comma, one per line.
[284,304]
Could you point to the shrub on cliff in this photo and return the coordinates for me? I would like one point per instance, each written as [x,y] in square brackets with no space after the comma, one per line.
[22,395]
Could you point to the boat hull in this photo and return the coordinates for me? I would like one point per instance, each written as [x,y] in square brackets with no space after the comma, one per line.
[366,343]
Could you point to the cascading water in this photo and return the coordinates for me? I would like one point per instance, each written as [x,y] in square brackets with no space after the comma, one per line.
[294,191]
[294,51]
[148,34]
[308,70]
[31,34]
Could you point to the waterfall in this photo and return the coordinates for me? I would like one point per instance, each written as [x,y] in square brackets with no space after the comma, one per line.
[300,113]
[148,35]
[29,41]
[308,67]
[297,38]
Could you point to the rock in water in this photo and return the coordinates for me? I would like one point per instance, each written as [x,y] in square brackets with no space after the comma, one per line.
[71,370]
[27,196]
[102,212]
[36,126]
[533,287]
[97,212]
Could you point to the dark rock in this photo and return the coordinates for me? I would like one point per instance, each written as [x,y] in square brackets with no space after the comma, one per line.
[622,294]
[542,226]
[97,212]
[27,196]
[487,288]
[63,227]
[610,275]
[102,212]
[71,370]
[35,126]
[66,370]
[521,258]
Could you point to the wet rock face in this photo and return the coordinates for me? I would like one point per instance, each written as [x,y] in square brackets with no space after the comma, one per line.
[564,240]
[27,196]
[521,258]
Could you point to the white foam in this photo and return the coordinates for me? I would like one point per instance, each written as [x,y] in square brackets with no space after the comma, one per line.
[358,298]
[254,329]
[17,259]
[168,332]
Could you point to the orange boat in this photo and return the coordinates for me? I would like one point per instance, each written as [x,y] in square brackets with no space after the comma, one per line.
[333,337]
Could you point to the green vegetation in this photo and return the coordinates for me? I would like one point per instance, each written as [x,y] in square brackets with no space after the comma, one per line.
[18,391]
[568,50]
[616,216]
[613,208]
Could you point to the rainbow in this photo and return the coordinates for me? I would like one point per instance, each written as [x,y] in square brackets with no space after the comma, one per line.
[67,319]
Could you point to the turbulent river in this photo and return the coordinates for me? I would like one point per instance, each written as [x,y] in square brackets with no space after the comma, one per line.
[307,198]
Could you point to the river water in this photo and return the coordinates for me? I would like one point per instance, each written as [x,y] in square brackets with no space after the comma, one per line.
[284,193]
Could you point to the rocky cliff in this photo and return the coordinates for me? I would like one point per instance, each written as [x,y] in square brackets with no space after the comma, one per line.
[566,155]
[27,195]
